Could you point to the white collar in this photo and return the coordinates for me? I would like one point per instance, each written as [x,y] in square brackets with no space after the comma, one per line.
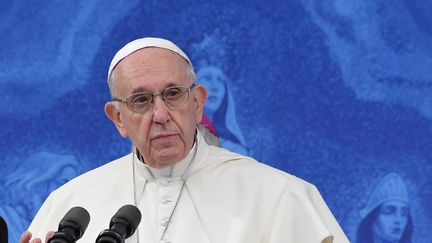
[178,169]
[174,171]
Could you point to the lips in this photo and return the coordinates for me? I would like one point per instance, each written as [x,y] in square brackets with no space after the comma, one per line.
[396,230]
[163,136]
[164,140]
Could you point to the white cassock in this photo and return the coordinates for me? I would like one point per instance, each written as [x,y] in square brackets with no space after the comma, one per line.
[228,198]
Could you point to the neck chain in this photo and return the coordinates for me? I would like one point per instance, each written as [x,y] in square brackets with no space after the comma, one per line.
[185,177]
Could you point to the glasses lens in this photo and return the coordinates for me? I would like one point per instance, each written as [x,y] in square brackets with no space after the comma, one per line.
[139,102]
[175,96]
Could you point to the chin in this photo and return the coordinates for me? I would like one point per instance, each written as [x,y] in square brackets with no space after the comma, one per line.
[166,158]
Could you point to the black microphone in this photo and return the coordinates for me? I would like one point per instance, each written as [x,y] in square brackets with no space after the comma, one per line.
[122,225]
[3,231]
[72,226]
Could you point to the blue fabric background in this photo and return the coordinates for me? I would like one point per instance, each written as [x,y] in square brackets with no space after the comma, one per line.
[335,92]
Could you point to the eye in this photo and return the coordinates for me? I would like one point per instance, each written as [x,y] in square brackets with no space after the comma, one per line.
[388,210]
[140,99]
[172,93]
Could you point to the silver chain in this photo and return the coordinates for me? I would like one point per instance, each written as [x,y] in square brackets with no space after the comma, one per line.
[134,185]
[185,177]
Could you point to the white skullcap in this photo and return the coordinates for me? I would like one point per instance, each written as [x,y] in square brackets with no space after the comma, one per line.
[138,44]
[391,187]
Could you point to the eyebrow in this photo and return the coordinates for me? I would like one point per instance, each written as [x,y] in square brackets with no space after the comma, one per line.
[141,89]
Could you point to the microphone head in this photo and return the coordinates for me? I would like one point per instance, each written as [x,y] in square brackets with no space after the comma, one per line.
[77,218]
[130,215]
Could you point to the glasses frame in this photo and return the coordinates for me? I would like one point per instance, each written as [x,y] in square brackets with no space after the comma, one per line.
[128,105]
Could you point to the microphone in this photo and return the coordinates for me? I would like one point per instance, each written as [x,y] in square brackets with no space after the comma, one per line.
[72,226]
[122,225]
[3,231]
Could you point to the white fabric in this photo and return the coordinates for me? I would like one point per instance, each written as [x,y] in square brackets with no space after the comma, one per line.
[158,200]
[157,203]
[138,44]
[236,199]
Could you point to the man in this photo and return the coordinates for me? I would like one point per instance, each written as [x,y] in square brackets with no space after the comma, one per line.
[186,190]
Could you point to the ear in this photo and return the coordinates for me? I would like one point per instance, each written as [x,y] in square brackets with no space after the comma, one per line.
[114,115]
[200,97]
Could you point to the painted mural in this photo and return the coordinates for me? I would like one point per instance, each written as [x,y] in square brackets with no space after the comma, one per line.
[336,92]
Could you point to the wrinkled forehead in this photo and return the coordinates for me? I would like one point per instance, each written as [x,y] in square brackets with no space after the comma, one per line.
[139,44]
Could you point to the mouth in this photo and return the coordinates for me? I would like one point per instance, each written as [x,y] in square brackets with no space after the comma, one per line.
[396,230]
[163,137]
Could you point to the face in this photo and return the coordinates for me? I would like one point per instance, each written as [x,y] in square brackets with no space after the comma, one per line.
[391,221]
[163,135]
[214,79]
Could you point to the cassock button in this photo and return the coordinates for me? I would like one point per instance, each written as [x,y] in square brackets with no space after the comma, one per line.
[164,222]
[164,182]
[165,200]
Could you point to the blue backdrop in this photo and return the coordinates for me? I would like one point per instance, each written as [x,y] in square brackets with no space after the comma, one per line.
[336,92]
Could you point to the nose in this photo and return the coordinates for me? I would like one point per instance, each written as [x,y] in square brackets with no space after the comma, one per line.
[160,110]
[399,217]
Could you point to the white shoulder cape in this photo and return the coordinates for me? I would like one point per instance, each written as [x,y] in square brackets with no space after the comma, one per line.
[237,198]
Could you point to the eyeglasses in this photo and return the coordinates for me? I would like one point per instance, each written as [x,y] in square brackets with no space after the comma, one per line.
[173,98]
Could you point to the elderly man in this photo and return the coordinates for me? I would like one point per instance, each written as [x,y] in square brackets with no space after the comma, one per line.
[186,190]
